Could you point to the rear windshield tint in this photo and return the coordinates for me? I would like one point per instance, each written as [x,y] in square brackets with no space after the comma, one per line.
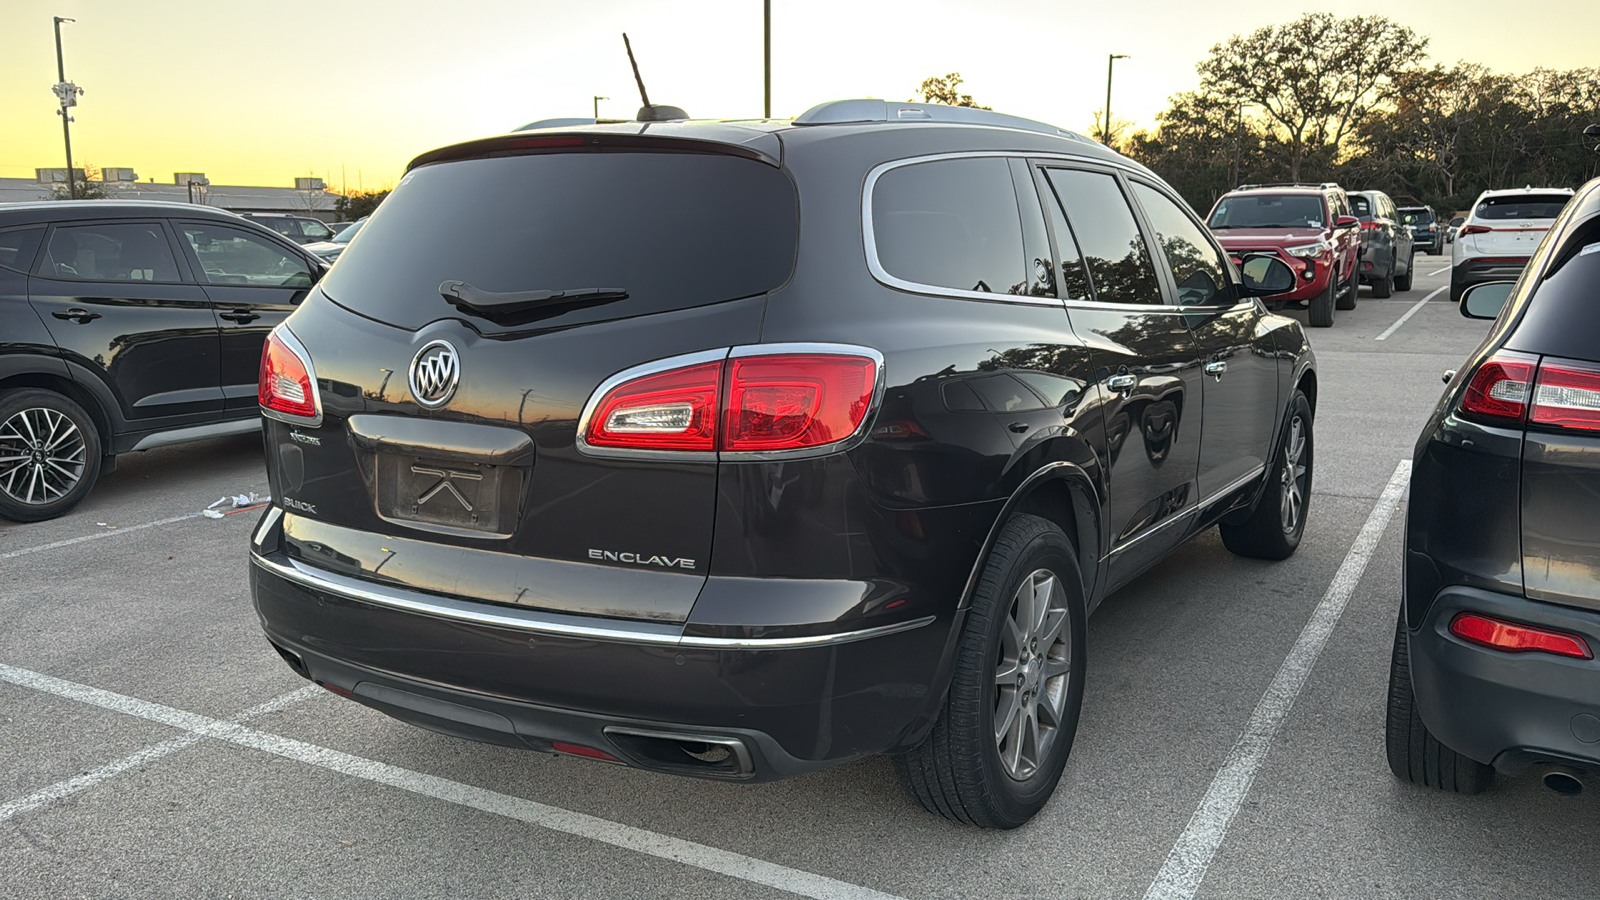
[674,230]
[1359,205]
[1531,206]
[1268,211]
[1416,216]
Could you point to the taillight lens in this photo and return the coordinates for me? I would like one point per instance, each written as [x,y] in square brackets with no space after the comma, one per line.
[746,403]
[286,385]
[1499,389]
[1567,396]
[672,410]
[1510,637]
[1473,229]
[791,401]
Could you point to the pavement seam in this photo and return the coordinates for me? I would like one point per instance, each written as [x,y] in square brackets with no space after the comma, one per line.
[661,846]
[1191,854]
[73,785]
[96,536]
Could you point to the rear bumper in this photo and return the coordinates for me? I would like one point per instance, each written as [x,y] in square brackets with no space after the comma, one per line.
[502,675]
[1475,271]
[1512,710]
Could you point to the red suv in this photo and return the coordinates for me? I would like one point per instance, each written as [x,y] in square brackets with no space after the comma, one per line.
[1308,226]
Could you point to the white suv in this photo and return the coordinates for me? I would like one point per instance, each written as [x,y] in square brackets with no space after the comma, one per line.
[1502,231]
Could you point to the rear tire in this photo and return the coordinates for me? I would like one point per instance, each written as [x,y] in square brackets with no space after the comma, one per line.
[49,454]
[1415,755]
[1402,283]
[1275,528]
[1384,289]
[1320,314]
[963,770]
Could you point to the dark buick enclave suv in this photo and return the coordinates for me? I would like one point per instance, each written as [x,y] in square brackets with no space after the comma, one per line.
[1494,655]
[741,449]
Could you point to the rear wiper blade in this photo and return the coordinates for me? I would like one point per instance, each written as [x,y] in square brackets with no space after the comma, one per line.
[464,296]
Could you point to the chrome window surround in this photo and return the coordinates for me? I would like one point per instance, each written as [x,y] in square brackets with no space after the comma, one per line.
[705,356]
[298,349]
[553,624]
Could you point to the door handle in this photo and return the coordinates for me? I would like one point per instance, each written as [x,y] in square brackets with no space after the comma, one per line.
[1121,383]
[1216,367]
[1018,427]
[76,314]
[240,315]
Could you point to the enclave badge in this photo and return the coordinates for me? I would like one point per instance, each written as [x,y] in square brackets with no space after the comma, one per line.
[434,372]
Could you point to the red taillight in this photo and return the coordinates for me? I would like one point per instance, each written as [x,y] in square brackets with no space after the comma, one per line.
[747,403]
[1499,389]
[1509,637]
[1567,396]
[286,385]
[1369,226]
[795,400]
[673,410]
[1473,229]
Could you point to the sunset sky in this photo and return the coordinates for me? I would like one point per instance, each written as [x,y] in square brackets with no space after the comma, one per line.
[259,92]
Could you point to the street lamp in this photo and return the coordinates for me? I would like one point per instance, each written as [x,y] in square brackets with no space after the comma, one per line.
[68,94]
[597,100]
[1105,127]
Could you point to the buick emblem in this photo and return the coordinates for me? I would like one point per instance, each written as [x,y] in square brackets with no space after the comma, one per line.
[434,372]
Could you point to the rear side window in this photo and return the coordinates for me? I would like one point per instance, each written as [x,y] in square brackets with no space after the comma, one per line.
[950,223]
[111,251]
[1197,267]
[1531,206]
[18,246]
[674,230]
[1119,263]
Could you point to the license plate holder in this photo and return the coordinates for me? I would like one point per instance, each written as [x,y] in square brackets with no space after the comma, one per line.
[447,495]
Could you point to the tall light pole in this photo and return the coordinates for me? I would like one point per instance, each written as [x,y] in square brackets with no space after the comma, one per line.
[766,57]
[597,100]
[1105,127]
[67,93]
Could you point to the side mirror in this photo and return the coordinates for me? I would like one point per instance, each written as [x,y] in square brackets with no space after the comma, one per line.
[1484,301]
[1346,222]
[1266,275]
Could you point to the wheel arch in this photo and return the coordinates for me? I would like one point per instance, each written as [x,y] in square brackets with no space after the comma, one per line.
[1063,493]
[40,377]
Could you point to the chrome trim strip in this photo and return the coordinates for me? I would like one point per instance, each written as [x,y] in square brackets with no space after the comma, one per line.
[1180,517]
[548,624]
[640,371]
[298,349]
[197,432]
[1233,485]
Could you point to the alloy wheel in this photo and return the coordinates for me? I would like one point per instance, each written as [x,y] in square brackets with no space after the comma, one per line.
[42,456]
[1293,477]
[1031,679]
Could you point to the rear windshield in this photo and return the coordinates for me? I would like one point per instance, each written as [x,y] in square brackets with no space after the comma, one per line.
[1530,206]
[674,230]
[1416,216]
[1268,211]
[1360,205]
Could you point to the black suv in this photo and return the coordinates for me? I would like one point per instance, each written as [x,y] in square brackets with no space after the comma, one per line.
[741,449]
[1426,229]
[128,326]
[1494,654]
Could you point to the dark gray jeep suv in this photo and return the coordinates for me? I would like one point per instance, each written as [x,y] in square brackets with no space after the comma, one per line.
[741,449]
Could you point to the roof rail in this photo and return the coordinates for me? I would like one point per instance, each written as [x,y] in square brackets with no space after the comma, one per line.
[1294,184]
[843,112]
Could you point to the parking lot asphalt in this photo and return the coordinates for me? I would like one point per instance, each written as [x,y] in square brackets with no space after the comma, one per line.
[154,745]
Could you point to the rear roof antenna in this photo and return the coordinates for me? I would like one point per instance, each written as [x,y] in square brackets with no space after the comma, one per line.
[649,112]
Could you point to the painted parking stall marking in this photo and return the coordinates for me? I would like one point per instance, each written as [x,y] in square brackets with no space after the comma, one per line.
[96,536]
[1410,312]
[700,856]
[1191,855]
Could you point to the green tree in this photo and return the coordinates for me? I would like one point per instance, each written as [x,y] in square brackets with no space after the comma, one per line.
[946,90]
[354,205]
[85,189]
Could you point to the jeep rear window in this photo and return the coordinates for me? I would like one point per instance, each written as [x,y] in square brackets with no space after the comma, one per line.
[1532,206]
[1268,211]
[674,230]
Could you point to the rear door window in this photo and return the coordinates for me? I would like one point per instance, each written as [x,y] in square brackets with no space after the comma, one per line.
[1120,269]
[673,230]
[110,251]
[950,223]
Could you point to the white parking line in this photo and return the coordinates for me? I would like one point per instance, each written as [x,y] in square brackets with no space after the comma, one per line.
[1186,865]
[661,846]
[1409,313]
[96,536]
[1439,271]
[154,752]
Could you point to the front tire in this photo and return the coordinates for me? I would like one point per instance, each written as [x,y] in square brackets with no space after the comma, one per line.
[1320,314]
[49,454]
[1383,289]
[1415,755]
[1275,528]
[1002,739]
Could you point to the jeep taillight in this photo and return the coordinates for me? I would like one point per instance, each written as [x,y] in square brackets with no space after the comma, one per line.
[287,388]
[757,400]
[1498,391]
[1566,395]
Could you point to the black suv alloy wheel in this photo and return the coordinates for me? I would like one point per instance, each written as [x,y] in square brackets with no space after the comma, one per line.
[49,455]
